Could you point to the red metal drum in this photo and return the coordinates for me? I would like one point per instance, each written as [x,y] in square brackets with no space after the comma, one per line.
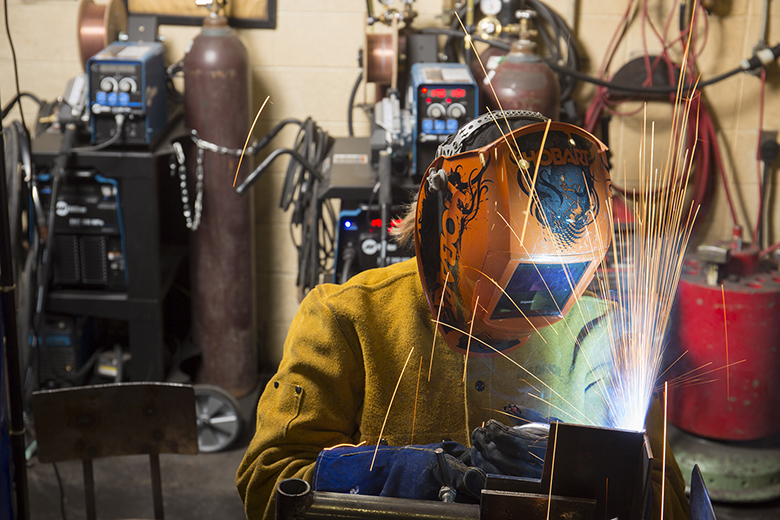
[743,401]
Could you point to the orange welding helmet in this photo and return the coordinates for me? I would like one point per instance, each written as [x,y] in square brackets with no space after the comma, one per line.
[510,229]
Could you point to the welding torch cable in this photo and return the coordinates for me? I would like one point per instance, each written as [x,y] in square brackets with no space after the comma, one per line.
[255,175]
[757,230]
[351,107]
[768,152]
[17,99]
[757,60]
[120,123]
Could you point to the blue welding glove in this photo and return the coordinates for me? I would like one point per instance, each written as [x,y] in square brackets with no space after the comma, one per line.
[398,471]
[517,451]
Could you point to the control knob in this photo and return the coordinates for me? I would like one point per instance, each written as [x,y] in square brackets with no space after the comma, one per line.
[108,85]
[128,85]
[456,111]
[436,110]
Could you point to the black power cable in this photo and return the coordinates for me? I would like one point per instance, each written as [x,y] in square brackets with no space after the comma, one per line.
[769,151]
[11,348]
[755,61]
[314,219]
[16,65]
[17,99]
[351,105]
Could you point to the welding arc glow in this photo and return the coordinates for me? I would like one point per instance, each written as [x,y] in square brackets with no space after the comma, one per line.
[653,253]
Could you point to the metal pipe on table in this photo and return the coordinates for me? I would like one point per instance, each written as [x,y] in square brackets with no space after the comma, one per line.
[295,500]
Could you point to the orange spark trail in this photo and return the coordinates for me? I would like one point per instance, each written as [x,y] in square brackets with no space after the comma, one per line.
[382,430]
[552,470]
[726,332]
[663,469]
[468,345]
[416,393]
[533,182]
[247,139]
[436,325]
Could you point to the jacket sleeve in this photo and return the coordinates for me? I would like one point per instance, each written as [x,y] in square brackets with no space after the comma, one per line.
[676,505]
[311,403]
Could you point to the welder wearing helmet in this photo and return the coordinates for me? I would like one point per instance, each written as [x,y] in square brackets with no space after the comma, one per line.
[488,329]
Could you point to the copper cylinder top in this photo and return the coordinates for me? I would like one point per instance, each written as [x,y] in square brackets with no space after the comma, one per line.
[215,21]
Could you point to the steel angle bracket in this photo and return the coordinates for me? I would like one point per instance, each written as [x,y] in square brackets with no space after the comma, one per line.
[608,466]
[508,505]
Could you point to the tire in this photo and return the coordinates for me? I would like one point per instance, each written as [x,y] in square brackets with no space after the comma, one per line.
[219,418]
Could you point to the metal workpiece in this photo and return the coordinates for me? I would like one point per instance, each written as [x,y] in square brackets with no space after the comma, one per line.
[505,505]
[590,473]
[608,466]
[295,500]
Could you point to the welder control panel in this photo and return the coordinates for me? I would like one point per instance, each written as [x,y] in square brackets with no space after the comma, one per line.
[128,78]
[444,98]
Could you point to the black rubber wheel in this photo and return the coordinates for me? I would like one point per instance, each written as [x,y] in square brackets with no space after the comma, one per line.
[219,418]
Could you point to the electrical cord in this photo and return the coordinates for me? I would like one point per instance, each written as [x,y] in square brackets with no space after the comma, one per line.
[62,490]
[255,175]
[348,256]
[352,96]
[311,219]
[746,65]
[554,33]
[120,123]
[17,99]
[769,151]
[16,65]
[170,73]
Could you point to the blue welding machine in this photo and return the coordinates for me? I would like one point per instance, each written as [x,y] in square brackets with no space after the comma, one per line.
[128,78]
[444,98]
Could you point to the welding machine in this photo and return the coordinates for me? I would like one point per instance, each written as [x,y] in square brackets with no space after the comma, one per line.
[66,344]
[444,97]
[88,250]
[358,244]
[128,78]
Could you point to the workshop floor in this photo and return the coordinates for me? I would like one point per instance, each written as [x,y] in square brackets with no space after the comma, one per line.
[195,487]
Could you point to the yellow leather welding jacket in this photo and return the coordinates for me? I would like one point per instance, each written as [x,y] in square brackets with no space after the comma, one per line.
[347,349]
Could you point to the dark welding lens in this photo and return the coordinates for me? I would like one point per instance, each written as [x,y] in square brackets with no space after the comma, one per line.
[539,290]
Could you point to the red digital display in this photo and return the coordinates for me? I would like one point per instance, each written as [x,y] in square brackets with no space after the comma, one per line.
[377,223]
[458,93]
[438,92]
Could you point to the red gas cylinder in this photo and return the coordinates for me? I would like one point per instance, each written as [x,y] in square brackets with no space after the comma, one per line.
[523,81]
[217,107]
[740,402]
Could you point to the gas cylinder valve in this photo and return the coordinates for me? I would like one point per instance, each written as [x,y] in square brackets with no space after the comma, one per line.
[215,6]
[715,258]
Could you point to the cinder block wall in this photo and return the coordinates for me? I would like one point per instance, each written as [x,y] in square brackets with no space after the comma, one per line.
[308,64]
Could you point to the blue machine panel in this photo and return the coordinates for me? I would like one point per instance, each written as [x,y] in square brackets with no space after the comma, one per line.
[444,98]
[128,78]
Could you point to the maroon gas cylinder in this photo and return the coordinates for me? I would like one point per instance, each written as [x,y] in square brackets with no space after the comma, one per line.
[217,106]
[523,81]
[740,402]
